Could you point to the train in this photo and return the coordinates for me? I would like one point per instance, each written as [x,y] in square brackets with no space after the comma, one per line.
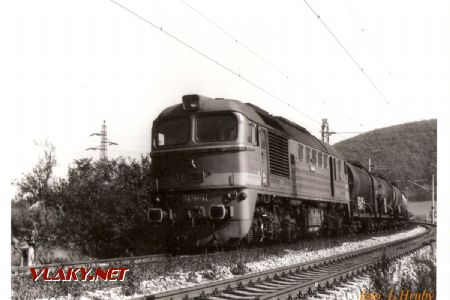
[226,173]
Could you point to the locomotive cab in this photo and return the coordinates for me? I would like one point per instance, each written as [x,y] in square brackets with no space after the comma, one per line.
[200,167]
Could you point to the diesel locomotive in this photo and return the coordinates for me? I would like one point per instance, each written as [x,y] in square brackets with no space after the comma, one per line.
[226,172]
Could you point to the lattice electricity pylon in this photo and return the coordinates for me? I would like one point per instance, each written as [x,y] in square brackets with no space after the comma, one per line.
[325,131]
[104,143]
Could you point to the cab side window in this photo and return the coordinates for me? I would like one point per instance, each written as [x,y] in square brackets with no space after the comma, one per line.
[308,155]
[314,157]
[339,168]
[252,134]
[320,159]
[300,152]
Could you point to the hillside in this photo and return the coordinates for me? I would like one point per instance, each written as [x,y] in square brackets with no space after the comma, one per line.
[420,210]
[400,153]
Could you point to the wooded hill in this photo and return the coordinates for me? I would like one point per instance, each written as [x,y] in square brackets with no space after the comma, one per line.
[400,153]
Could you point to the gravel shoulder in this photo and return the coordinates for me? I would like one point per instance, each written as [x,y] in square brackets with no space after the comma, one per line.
[184,276]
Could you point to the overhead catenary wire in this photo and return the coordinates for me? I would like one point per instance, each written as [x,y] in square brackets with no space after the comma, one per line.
[265,60]
[373,132]
[255,85]
[231,36]
[250,81]
[364,31]
[253,52]
[358,65]
[238,73]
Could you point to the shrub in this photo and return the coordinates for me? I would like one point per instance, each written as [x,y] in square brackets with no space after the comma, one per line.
[239,269]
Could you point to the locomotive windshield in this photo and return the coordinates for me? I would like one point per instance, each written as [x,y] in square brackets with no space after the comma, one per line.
[216,128]
[172,132]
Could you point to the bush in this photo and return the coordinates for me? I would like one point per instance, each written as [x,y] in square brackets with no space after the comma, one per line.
[239,269]
[132,282]
[414,273]
[99,210]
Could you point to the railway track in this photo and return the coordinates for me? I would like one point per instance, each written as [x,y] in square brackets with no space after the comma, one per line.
[155,258]
[145,259]
[303,279]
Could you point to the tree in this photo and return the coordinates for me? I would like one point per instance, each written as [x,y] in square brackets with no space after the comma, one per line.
[100,209]
[33,215]
[35,185]
[111,199]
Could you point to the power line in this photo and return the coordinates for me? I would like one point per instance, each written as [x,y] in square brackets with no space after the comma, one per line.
[215,61]
[253,52]
[236,40]
[136,152]
[265,60]
[352,58]
[372,44]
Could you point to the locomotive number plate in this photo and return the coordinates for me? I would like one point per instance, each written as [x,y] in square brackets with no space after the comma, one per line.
[197,199]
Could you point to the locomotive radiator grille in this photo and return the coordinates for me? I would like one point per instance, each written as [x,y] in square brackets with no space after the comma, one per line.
[278,155]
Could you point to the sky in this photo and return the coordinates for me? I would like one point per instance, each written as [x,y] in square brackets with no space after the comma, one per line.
[69,65]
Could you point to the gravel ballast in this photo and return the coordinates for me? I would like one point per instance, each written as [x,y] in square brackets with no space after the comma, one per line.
[184,277]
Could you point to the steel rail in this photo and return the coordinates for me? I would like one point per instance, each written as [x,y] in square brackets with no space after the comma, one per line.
[154,258]
[100,262]
[277,281]
[333,278]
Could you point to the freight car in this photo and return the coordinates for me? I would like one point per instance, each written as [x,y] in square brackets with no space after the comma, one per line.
[375,203]
[227,172]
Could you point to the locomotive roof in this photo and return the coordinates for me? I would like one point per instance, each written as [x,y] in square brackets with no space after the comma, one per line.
[256,114]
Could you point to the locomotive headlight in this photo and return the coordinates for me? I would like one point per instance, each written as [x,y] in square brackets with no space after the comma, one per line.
[242,196]
[217,212]
[191,102]
[232,195]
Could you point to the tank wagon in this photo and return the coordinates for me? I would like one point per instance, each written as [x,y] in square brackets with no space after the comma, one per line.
[227,172]
[375,202]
